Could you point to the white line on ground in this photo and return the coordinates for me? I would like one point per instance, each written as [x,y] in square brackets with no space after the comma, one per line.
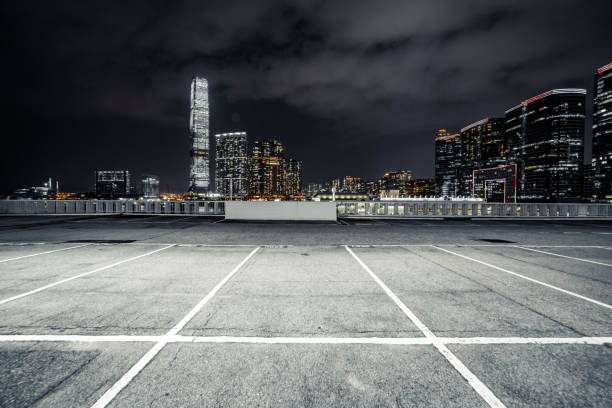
[42,253]
[80,275]
[478,386]
[597,302]
[109,395]
[69,338]
[562,256]
[468,245]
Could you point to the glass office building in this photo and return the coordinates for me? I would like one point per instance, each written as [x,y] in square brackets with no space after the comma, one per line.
[199,174]
[231,164]
[546,138]
[601,161]
[447,163]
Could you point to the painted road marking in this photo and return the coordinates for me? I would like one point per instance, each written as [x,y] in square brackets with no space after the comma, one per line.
[40,289]
[42,253]
[562,256]
[527,278]
[112,392]
[478,386]
[300,340]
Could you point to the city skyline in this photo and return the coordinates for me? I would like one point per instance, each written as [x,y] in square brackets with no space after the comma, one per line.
[131,111]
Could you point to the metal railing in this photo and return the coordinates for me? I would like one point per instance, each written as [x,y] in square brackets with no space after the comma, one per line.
[465,209]
[374,209]
[111,207]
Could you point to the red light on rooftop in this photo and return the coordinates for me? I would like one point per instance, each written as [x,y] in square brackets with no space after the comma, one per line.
[604,68]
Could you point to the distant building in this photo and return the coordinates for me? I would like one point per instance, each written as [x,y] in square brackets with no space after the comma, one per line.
[496,184]
[447,163]
[150,186]
[421,188]
[337,184]
[313,188]
[396,180]
[292,178]
[231,164]
[199,174]
[47,191]
[546,136]
[370,187]
[601,161]
[112,183]
[351,184]
[266,170]
[483,145]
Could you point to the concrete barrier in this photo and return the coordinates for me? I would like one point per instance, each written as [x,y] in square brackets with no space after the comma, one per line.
[281,210]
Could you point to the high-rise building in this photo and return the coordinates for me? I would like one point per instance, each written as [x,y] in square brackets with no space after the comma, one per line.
[266,170]
[546,137]
[601,161]
[396,180]
[231,164]
[112,183]
[199,174]
[482,146]
[292,178]
[150,186]
[420,188]
[447,163]
[351,184]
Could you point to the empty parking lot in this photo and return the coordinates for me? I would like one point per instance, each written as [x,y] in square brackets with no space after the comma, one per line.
[187,311]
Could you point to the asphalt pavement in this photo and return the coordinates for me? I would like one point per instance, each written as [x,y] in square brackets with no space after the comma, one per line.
[159,311]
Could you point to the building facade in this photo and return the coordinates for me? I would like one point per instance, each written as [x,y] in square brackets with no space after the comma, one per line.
[266,170]
[199,173]
[601,161]
[420,188]
[396,180]
[495,184]
[150,186]
[231,164]
[292,178]
[447,163]
[112,183]
[546,137]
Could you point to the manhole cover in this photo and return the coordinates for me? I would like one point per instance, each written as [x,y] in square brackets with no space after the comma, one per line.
[496,241]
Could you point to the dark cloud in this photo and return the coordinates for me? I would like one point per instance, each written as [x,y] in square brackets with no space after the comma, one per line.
[351,87]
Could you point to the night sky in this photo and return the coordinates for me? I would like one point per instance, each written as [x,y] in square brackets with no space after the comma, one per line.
[351,87]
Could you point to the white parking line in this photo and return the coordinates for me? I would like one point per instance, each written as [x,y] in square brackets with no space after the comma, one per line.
[562,256]
[42,253]
[112,392]
[80,275]
[478,386]
[597,302]
[69,338]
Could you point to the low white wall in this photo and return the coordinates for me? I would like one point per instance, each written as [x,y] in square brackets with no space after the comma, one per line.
[281,210]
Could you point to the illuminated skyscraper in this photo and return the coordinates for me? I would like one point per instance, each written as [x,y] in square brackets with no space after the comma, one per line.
[231,164]
[546,136]
[112,183]
[150,186]
[448,161]
[292,178]
[199,174]
[482,146]
[396,180]
[266,170]
[601,161]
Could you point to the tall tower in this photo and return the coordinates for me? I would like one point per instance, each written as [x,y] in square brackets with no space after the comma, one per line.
[601,162]
[448,163]
[231,164]
[199,174]
[546,136]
